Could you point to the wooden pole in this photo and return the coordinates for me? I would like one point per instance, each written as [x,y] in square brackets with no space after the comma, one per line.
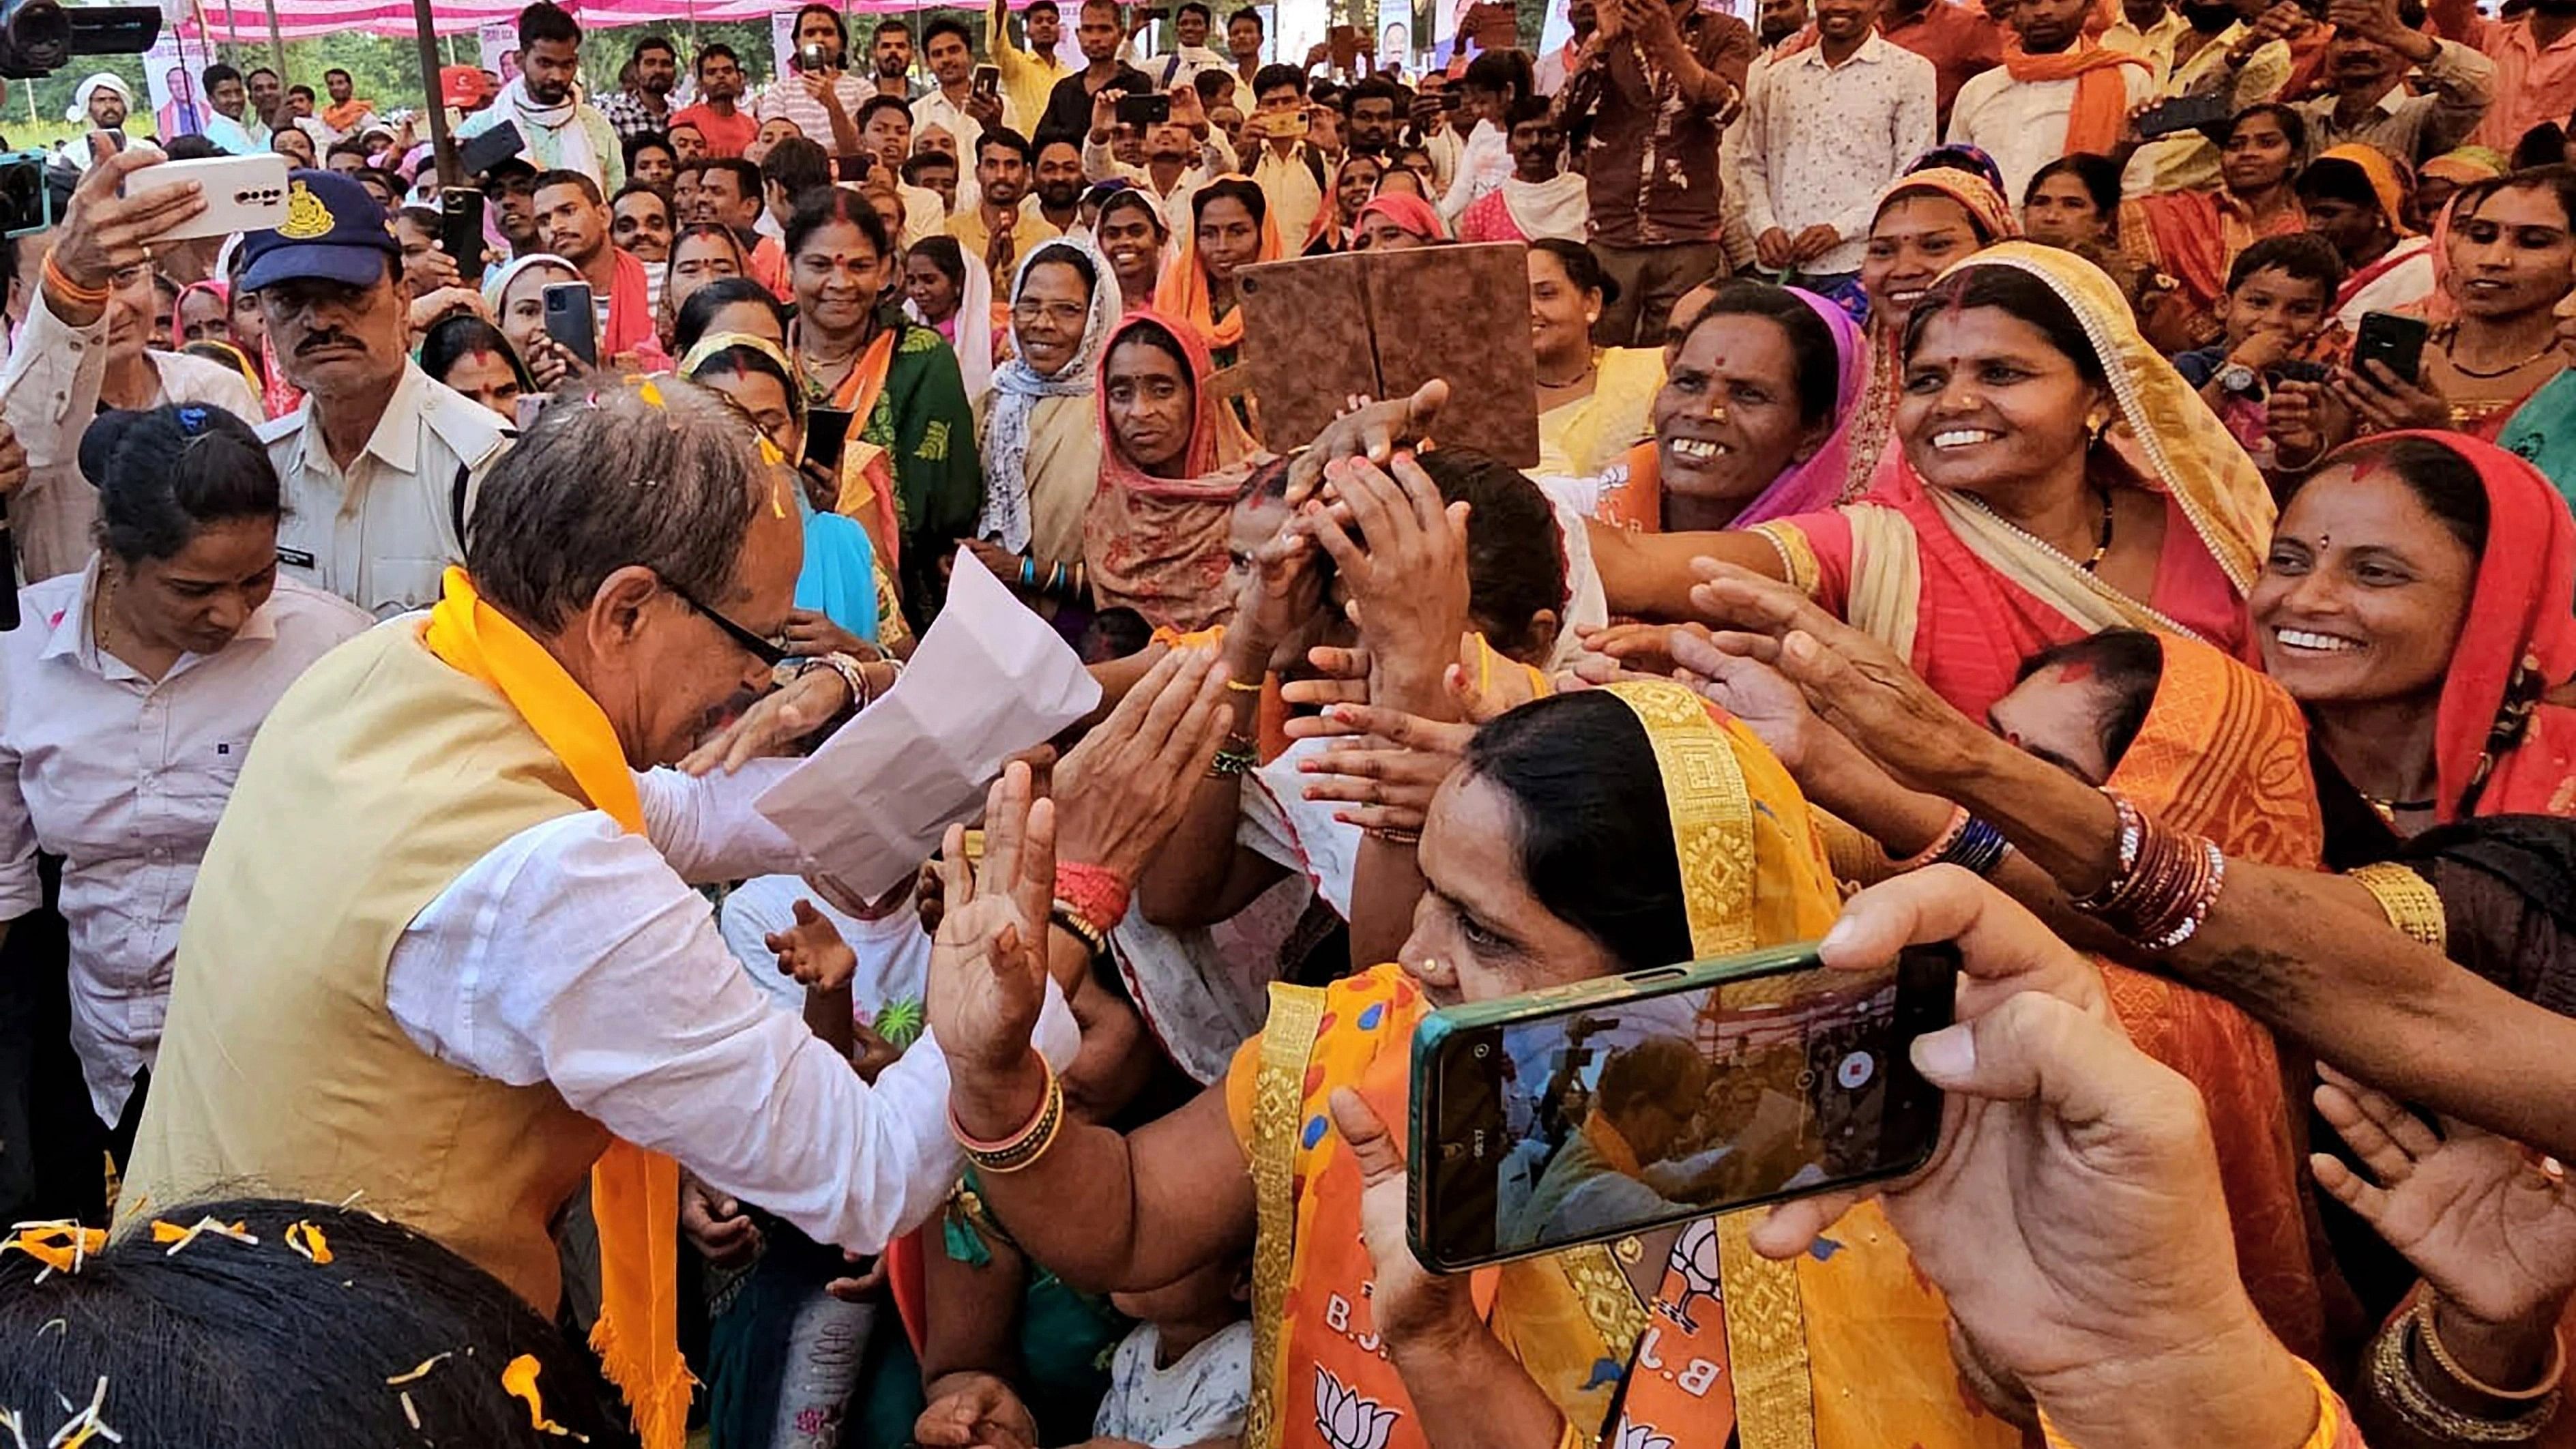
[276,41]
[442,145]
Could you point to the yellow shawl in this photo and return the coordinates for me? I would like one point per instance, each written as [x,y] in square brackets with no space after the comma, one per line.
[634,1194]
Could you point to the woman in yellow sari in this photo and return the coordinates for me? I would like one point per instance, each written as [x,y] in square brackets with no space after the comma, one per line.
[1581,835]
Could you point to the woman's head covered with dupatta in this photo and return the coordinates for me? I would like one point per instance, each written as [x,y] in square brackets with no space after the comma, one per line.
[2082,381]
[1230,228]
[1925,221]
[2381,586]
[1392,221]
[1755,415]
[2199,740]
[1552,852]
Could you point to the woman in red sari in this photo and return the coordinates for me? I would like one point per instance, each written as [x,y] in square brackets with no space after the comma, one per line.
[2194,236]
[2419,600]
[2058,477]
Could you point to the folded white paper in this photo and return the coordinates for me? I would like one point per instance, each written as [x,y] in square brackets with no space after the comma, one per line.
[990,679]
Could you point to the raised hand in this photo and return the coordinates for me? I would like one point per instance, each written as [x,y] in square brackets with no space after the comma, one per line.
[2490,1224]
[104,232]
[1390,768]
[1372,431]
[2072,1213]
[988,960]
[774,722]
[1406,573]
[1406,1300]
[1855,683]
[1127,784]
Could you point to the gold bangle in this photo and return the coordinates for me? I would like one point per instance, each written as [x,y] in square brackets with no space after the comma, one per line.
[1238,685]
[2392,1376]
[1021,1148]
[2408,901]
[2557,1363]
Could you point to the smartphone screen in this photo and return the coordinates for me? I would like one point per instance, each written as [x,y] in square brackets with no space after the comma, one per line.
[1676,1100]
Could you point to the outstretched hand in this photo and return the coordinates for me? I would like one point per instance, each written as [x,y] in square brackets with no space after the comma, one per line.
[988,960]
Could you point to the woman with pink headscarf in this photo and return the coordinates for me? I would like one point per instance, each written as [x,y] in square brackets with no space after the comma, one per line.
[1754,419]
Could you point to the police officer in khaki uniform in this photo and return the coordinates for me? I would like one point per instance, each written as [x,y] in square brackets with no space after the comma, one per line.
[380,464]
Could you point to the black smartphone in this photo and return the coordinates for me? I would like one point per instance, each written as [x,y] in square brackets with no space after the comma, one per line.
[852,168]
[571,322]
[1611,1107]
[988,82]
[1149,110]
[2394,342]
[826,429]
[2183,113]
[490,149]
[460,230]
[26,207]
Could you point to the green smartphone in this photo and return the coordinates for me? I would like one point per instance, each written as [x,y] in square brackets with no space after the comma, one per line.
[1605,1108]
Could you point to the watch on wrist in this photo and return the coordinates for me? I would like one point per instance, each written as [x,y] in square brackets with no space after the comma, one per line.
[2236,377]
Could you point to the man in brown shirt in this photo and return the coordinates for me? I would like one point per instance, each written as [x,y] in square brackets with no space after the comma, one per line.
[1652,90]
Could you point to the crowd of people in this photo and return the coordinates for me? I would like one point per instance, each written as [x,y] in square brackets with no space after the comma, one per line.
[2087,482]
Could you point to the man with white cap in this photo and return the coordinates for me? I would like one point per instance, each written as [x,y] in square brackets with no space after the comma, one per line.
[103,100]
[379,466]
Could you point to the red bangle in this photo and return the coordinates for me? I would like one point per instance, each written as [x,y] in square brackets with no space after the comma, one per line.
[1095,892]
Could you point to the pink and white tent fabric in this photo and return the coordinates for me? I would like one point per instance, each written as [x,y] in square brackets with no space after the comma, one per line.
[301,19]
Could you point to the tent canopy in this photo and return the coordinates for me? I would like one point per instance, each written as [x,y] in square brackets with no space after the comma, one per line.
[303,19]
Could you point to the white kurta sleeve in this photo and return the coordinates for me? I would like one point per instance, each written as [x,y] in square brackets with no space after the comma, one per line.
[574,954]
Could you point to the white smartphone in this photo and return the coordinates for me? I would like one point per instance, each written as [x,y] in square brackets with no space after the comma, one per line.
[243,193]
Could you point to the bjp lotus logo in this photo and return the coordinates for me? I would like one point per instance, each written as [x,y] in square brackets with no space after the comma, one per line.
[1640,1436]
[1349,1421]
[1695,1262]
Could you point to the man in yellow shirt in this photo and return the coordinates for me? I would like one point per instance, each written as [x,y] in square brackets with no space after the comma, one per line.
[1028,76]
[996,229]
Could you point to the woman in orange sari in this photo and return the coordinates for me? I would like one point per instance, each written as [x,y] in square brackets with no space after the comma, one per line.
[1230,228]
[2057,477]
[2417,602]
[908,468]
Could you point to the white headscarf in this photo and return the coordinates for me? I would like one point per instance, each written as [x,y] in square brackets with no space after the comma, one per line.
[78,112]
[972,322]
[1018,386]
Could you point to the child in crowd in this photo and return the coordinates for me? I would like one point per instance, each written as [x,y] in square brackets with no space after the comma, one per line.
[2280,293]
[1183,1376]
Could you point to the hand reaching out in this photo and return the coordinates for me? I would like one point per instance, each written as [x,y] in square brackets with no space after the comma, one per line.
[1124,788]
[2490,1226]
[812,951]
[988,961]
[716,1225]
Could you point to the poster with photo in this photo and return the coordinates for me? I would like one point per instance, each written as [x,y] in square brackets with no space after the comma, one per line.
[499,42]
[170,75]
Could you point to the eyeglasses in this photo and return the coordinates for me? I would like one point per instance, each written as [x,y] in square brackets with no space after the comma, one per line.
[1062,314]
[769,652]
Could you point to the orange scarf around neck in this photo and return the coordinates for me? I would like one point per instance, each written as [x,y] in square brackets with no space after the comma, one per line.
[2101,96]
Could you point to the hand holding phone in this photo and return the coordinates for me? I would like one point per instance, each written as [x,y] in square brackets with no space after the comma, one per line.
[1615,1106]
[571,321]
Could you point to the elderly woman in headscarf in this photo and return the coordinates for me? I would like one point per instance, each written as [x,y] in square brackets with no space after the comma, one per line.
[1037,429]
